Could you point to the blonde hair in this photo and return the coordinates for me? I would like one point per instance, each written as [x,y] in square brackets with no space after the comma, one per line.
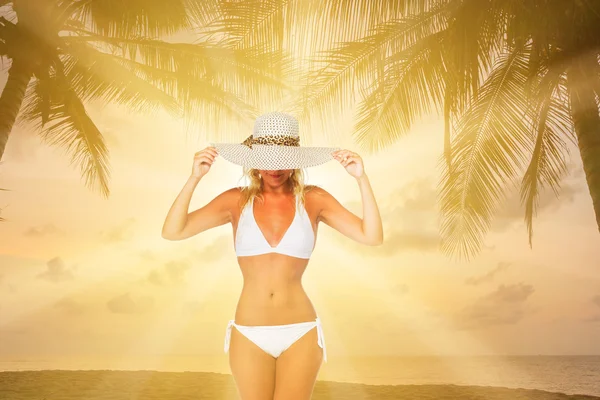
[255,187]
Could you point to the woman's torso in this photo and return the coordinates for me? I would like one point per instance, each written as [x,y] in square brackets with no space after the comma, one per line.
[272,293]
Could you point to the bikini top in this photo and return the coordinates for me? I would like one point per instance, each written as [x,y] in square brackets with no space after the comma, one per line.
[298,240]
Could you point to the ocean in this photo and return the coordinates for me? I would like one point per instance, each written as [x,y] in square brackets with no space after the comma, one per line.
[565,374]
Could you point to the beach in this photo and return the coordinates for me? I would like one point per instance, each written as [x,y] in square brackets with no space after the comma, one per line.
[129,385]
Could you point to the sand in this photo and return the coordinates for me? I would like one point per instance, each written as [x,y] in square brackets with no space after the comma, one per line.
[138,385]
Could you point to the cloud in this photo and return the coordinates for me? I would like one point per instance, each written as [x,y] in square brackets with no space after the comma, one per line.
[194,306]
[23,145]
[393,243]
[424,241]
[56,272]
[418,195]
[3,282]
[511,210]
[505,306]
[147,255]
[43,230]
[69,306]
[111,137]
[596,318]
[172,273]
[120,232]
[124,304]
[409,217]
[176,270]
[476,280]
[400,288]
[215,250]
[155,278]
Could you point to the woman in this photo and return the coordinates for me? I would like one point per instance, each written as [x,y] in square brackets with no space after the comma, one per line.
[277,346]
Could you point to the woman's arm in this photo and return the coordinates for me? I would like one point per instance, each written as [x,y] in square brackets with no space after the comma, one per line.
[179,224]
[367,230]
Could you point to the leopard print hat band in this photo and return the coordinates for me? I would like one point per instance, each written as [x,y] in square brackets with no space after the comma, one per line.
[276,140]
[274,144]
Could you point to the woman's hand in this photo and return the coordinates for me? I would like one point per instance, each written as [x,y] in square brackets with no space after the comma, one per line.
[203,160]
[351,161]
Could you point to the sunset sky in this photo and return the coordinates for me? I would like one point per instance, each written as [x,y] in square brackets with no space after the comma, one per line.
[81,275]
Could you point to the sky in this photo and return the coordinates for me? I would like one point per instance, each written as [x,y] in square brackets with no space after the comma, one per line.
[83,276]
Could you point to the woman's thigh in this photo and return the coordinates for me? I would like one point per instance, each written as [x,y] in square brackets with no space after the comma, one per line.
[296,369]
[253,370]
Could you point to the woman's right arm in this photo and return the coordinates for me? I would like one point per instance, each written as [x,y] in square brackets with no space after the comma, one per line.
[179,223]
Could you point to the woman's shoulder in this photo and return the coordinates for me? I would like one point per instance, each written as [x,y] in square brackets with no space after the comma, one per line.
[230,196]
[316,194]
[232,192]
[314,190]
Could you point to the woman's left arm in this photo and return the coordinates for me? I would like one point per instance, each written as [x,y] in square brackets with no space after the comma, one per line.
[367,230]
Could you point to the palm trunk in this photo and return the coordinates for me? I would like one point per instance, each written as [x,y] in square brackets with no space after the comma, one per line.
[11,99]
[584,111]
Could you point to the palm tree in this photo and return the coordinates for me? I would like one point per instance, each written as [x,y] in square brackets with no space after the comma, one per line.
[542,79]
[66,53]
[515,82]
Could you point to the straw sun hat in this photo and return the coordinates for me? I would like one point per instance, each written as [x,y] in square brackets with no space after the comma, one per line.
[274,144]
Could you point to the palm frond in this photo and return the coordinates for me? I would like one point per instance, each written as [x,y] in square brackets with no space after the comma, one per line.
[248,73]
[332,24]
[263,26]
[202,12]
[95,75]
[548,164]
[353,20]
[251,23]
[332,85]
[286,23]
[475,36]
[490,146]
[70,127]
[117,18]
[333,88]
[414,82]
[247,22]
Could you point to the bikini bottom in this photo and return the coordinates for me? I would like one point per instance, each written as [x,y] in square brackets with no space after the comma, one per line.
[275,339]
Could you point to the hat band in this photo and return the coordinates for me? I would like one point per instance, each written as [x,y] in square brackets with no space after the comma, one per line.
[273,140]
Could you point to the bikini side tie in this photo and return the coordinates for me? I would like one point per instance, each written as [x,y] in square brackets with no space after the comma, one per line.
[321,338]
[228,334]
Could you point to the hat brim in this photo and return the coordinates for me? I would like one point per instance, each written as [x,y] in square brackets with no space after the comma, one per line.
[273,157]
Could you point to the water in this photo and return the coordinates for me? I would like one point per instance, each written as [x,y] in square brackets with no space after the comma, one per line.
[566,374]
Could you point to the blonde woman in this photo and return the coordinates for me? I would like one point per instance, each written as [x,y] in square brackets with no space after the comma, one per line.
[278,345]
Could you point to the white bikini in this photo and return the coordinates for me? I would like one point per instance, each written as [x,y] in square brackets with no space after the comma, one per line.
[298,241]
